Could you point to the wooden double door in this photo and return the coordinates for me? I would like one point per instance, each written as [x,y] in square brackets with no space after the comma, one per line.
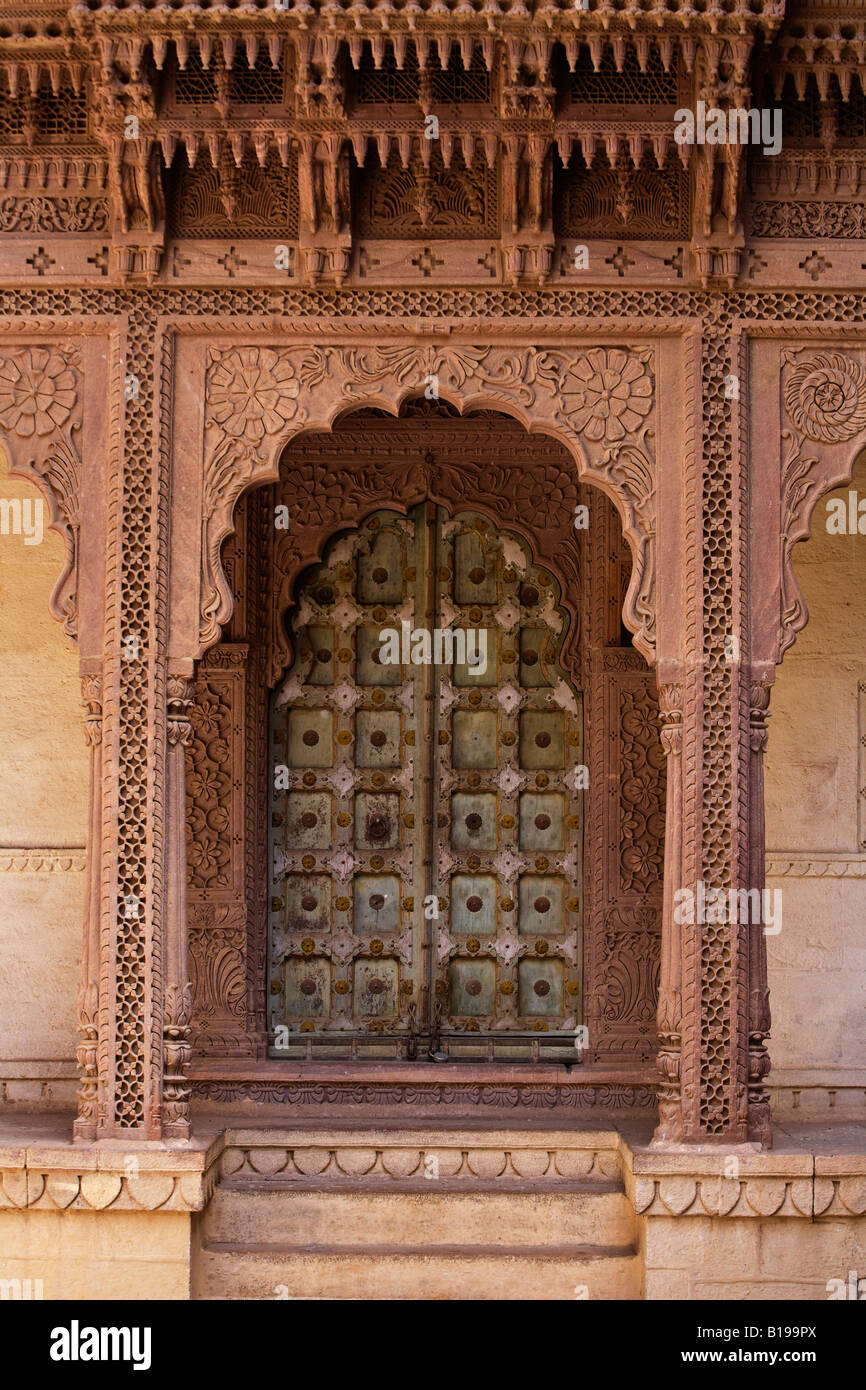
[427,780]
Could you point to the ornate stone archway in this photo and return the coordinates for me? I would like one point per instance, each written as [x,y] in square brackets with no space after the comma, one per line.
[330,481]
[747,484]
[598,402]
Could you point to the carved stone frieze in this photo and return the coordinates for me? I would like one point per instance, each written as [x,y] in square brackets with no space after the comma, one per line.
[784,1196]
[54,214]
[604,1097]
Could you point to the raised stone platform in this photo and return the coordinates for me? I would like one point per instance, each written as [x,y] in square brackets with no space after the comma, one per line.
[502,1207]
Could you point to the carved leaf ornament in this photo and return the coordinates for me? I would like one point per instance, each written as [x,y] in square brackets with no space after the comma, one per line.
[592,396]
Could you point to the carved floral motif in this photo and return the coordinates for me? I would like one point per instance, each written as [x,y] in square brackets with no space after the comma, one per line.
[37,392]
[35,214]
[252,392]
[209,791]
[641,791]
[826,397]
[608,394]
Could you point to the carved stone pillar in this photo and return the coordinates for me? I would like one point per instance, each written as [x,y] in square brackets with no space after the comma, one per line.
[88,990]
[178,988]
[713,1014]
[670,1126]
[759,993]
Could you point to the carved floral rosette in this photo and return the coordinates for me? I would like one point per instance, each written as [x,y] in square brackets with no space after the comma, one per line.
[598,401]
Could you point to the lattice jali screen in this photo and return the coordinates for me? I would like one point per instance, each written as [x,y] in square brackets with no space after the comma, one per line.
[250,202]
[601,201]
[392,85]
[802,120]
[631,86]
[394,202]
[261,85]
[51,116]
[134,910]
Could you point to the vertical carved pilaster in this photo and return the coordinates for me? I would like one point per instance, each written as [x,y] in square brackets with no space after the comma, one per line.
[88,989]
[178,988]
[670,1126]
[759,993]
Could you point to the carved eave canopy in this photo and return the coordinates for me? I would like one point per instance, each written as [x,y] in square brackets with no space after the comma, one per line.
[821,40]
[339,16]
[304,124]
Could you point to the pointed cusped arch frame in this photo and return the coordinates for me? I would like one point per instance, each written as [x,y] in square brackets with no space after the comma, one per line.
[597,401]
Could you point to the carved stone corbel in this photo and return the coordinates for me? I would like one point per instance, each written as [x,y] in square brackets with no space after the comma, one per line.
[125,126]
[527,208]
[323,192]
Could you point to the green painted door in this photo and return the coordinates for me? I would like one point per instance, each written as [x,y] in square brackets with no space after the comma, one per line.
[426,813]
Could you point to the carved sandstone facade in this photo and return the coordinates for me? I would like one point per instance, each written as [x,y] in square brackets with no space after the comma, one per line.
[238,248]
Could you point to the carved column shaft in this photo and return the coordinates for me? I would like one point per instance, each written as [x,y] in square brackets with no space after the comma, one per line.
[759,993]
[670,1127]
[88,990]
[177,1006]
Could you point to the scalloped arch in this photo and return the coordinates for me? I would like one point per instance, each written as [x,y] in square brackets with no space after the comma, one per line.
[259,399]
[56,474]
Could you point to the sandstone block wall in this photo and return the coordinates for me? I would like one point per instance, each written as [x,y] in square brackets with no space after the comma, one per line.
[43,811]
[816,827]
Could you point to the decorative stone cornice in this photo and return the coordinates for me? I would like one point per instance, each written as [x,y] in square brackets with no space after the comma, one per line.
[707,1195]
[371,1155]
[41,861]
[95,1179]
[799,864]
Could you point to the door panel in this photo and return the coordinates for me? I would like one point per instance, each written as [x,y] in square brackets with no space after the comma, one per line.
[426,819]
[508,956]
[348,815]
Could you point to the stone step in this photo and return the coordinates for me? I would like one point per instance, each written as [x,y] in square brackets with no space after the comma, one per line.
[503,1153]
[225,1270]
[418,1213]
